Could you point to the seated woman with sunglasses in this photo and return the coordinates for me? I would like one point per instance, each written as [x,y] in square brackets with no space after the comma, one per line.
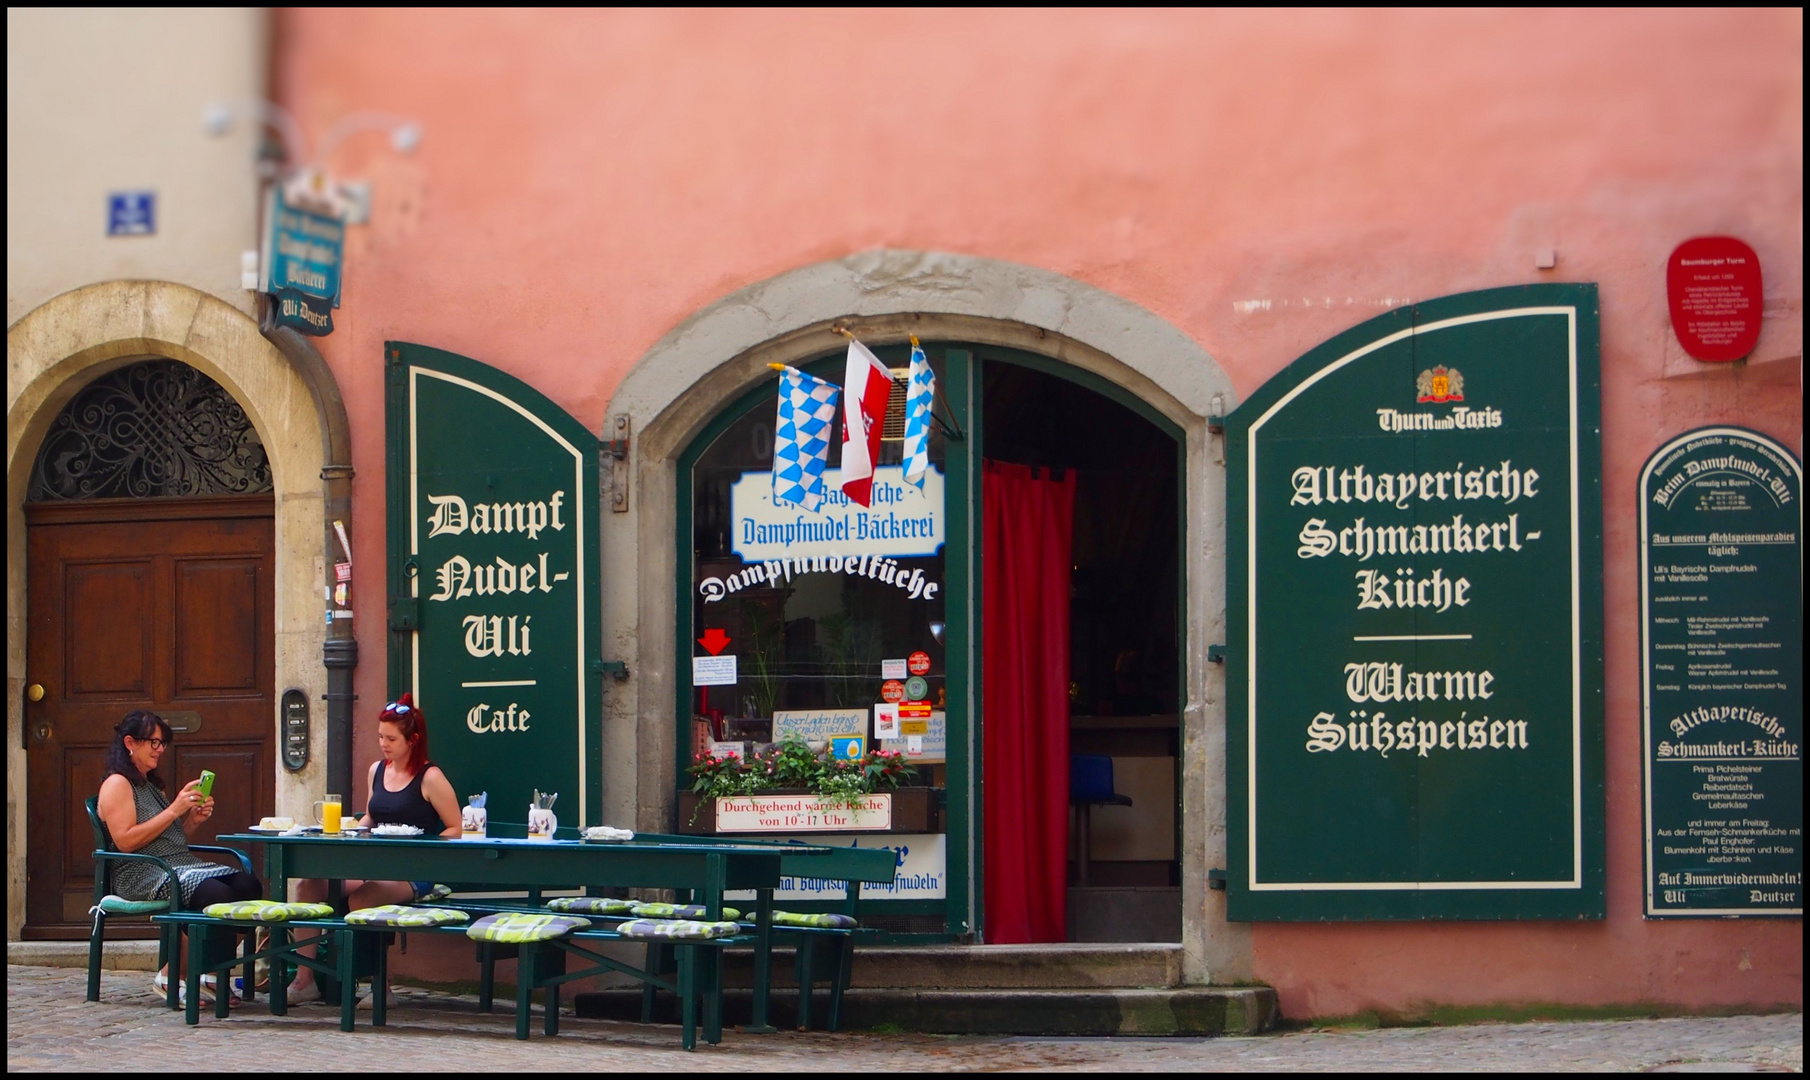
[139,818]
[404,789]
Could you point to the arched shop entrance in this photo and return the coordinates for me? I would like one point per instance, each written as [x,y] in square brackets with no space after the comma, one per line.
[1031,596]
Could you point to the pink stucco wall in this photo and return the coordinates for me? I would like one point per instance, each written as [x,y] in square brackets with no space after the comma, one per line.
[1260,179]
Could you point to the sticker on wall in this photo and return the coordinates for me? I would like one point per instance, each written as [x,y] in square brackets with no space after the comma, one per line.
[892,690]
[918,663]
[892,669]
[916,688]
[886,721]
[713,670]
[848,747]
[924,742]
[817,725]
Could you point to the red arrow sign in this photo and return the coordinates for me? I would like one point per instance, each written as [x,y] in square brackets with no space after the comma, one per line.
[713,640]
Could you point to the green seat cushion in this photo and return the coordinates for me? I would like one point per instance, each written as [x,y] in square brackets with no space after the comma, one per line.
[591,905]
[438,892]
[267,911]
[677,929]
[828,920]
[516,927]
[119,905]
[679,911]
[405,915]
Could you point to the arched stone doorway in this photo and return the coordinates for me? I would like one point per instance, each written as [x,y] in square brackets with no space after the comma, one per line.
[64,345]
[884,297]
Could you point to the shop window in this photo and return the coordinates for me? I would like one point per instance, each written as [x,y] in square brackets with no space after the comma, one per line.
[826,613]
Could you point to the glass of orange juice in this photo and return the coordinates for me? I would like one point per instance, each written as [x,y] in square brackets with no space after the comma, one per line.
[327,814]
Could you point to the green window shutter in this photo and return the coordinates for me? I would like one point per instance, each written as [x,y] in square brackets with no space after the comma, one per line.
[1452,443]
[494,591]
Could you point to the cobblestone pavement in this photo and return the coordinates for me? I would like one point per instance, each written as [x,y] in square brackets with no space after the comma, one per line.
[49,1026]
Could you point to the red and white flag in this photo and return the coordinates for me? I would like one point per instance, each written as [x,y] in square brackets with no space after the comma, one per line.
[866,387]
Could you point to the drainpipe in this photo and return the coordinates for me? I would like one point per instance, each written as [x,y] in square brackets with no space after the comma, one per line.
[340,653]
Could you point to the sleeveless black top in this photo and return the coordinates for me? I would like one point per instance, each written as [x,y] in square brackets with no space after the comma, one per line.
[405,807]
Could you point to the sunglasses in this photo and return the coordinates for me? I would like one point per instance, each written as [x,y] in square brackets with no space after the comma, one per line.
[396,707]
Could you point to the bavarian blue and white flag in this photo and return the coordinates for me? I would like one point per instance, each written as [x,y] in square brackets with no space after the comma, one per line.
[919,389]
[801,437]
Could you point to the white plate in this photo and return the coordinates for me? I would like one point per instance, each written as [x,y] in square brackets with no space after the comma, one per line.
[262,829]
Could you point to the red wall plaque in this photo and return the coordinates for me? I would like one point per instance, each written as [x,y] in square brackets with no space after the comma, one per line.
[1713,286]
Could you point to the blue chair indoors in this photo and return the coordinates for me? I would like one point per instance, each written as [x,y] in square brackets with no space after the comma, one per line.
[1089,785]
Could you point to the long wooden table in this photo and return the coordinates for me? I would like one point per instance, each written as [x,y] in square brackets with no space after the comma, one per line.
[707,870]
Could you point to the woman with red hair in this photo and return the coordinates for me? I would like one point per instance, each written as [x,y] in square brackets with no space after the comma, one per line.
[403,788]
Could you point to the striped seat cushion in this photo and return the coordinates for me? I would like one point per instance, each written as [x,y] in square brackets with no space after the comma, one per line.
[827,920]
[405,915]
[591,905]
[678,911]
[516,927]
[677,929]
[267,911]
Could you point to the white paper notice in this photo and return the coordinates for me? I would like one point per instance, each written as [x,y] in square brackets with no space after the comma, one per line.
[892,669]
[914,745]
[713,670]
[886,720]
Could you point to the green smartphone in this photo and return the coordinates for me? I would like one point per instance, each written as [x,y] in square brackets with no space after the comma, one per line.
[207,784]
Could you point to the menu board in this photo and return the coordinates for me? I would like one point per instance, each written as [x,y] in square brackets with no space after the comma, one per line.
[1414,677]
[1721,596]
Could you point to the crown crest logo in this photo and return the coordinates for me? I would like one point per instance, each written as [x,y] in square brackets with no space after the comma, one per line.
[1440,383]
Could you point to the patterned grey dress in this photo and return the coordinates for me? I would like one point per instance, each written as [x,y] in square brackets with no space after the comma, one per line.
[136,880]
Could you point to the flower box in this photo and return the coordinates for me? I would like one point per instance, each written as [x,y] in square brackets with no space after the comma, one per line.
[903,810]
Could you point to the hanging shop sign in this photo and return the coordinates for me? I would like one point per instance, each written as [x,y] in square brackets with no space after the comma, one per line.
[1713,287]
[901,521]
[493,577]
[1415,672]
[1722,691]
[302,249]
[302,312]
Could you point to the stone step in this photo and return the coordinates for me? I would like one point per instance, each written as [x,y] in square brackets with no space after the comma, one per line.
[1063,965]
[115,955]
[1189,1010]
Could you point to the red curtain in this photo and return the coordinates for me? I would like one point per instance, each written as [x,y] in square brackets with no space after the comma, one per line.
[1028,523]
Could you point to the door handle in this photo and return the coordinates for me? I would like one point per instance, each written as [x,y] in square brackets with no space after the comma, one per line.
[35,692]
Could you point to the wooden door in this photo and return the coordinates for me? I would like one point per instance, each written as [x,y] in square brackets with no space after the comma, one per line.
[163,604]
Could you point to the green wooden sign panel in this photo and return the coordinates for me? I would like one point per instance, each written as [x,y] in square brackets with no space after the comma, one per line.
[1414,718]
[1722,681]
[493,581]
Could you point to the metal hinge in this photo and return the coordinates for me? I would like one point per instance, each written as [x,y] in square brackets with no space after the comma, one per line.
[405,613]
[1216,879]
[1216,425]
[615,454]
[617,668]
[1216,654]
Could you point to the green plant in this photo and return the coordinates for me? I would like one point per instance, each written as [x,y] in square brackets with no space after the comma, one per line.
[766,647]
[791,763]
[714,777]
